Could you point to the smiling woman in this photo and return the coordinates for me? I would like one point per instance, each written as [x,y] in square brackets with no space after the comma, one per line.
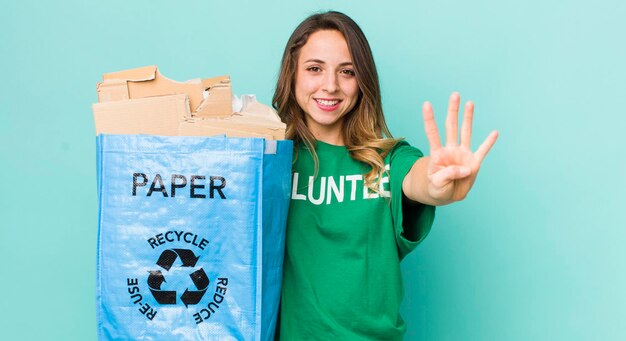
[333,40]
[361,200]
[326,86]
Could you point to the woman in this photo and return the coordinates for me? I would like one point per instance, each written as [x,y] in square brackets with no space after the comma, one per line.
[361,200]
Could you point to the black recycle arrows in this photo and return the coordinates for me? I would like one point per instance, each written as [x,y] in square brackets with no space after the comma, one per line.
[198,277]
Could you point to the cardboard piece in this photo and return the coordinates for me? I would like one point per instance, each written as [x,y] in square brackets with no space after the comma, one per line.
[154,116]
[209,97]
[142,101]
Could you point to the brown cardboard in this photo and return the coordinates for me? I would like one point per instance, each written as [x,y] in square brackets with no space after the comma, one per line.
[142,101]
[155,116]
[192,129]
[209,97]
[276,130]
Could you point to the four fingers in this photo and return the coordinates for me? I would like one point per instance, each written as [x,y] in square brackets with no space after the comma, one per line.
[454,162]
[432,132]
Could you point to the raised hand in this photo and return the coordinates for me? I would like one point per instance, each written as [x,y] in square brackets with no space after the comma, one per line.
[452,169]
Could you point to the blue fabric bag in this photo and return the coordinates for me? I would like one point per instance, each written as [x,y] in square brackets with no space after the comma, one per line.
[191,236]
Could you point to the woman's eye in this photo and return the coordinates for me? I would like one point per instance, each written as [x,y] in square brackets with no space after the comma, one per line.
[314,69]
[348,72]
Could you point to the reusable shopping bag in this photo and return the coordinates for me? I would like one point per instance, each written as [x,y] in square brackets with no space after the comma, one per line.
[191,236]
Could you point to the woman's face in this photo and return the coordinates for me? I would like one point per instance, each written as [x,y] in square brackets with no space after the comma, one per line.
[326,86]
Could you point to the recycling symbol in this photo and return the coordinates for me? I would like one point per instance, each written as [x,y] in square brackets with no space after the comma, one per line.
[198,277]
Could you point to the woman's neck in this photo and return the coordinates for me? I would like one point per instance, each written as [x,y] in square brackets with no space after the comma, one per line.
[336,140]
[330,136]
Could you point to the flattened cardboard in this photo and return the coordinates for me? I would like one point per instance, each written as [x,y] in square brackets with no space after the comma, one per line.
[142,101]
[113,90]
[192,129]
[209,97]
[243,124]
[144,73]
[155,116]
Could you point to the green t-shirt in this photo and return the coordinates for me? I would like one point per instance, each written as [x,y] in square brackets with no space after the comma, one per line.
[344,244]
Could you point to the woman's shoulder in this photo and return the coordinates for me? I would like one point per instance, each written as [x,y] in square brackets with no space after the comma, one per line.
[402,149]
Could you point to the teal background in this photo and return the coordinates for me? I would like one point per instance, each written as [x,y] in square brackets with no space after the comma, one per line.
[536,251]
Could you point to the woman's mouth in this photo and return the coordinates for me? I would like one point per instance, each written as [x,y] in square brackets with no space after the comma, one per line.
[327,104]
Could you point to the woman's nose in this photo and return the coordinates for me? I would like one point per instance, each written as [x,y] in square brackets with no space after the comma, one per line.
[330,83]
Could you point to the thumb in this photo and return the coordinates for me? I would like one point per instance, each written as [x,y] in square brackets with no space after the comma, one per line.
[448,174]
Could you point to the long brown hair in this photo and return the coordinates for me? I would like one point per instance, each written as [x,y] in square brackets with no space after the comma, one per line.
[365,132]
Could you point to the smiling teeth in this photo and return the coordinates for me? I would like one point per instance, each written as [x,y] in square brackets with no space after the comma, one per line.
[327,103]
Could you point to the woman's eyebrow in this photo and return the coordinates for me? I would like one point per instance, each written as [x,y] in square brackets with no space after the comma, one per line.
[319,61]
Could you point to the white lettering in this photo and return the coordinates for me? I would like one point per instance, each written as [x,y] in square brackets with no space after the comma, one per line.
[353,179]
[294,189]
[333,189]
[330,187]
[320,199]
[385,180]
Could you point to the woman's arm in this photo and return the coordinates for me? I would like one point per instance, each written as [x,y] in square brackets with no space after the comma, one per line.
[447,175]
